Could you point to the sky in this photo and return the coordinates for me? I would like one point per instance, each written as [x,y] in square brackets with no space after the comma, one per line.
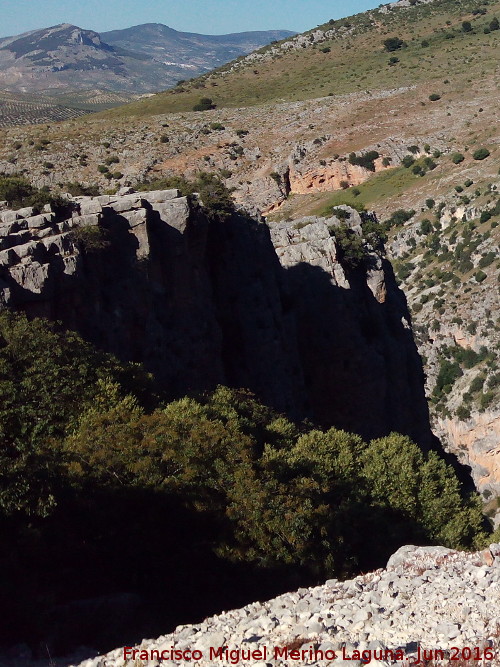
[214,17]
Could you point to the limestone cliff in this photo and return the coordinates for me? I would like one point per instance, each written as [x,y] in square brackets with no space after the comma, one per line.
[150,278]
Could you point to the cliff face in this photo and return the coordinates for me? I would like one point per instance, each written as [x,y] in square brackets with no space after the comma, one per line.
[148,277]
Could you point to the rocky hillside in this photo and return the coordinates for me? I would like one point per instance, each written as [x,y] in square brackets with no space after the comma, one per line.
[148,277]
[430,603]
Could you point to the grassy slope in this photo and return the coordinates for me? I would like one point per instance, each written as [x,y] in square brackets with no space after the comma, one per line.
[356,61]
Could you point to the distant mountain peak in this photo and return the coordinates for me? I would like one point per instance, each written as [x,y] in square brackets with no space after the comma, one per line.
[141,59]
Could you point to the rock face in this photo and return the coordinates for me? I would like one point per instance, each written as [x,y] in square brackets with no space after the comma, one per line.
[428,598]
[148,277]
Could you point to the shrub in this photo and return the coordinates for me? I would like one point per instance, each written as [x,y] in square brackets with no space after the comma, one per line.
[205,104]
[350,245]
[365,160]
[90,239]
[164,139]
[426,226]
[408,161]
[481,154]
[399,217]
[434,97]
[341,214]
[457,158]
[17,191]
[466,26]
[430,203]
[77,189]
[494,24]
[480,276]
[393,44]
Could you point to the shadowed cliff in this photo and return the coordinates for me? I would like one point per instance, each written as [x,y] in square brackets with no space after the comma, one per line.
[202,303]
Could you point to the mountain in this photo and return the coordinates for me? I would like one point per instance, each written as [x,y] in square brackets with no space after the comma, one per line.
[138,60]
[187,53]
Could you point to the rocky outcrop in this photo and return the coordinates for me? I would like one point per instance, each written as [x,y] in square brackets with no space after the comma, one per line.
[477,442]
[148,277]
[427,599]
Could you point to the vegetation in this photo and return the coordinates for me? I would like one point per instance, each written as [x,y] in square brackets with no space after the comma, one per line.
[366,160]
[266,491]
[481,154]
[213,192]
[17,191]
[205,104]
[393,44]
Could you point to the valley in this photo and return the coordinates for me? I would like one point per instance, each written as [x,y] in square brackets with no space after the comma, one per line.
[300,251]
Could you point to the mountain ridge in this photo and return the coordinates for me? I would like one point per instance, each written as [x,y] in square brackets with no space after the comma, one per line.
[69,58]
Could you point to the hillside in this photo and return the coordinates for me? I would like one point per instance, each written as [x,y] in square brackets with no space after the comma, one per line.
[347,56]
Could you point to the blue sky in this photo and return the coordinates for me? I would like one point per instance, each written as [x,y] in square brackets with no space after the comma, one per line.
[203,16]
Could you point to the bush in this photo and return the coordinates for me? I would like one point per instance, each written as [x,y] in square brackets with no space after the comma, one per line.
[76,189]
[480,276]
[366,160]
[457,158]
[205,104]
[494,24]
[481,154]
[434,97]
[430,203]
[350,245]
[448,372]
[466,26]
[90,239]
[393,44]
[17,191]
[399,217]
